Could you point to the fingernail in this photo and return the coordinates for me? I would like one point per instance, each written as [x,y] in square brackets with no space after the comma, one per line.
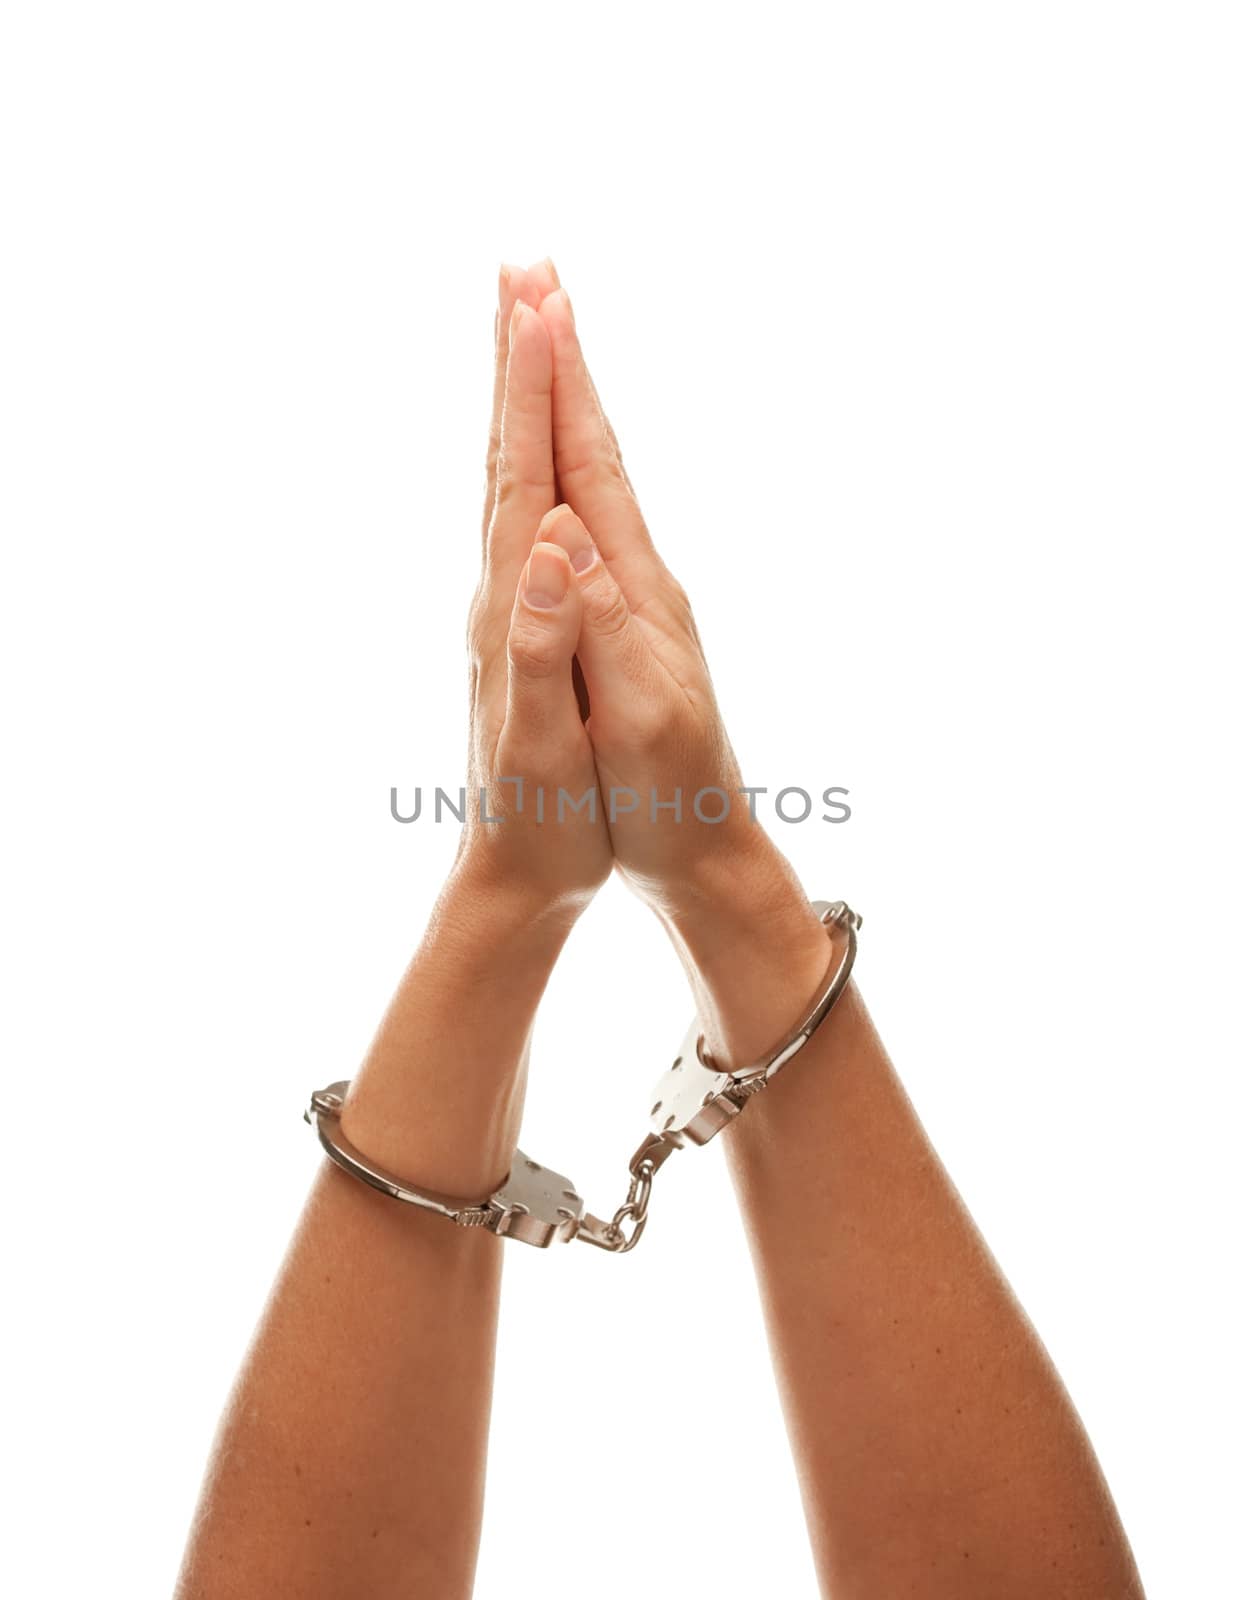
[547,579]
[516,316]
[568,303]
[564,529]
[548,266]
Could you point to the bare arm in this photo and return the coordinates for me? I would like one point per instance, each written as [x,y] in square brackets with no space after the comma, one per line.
[937,1450]
[351,1457]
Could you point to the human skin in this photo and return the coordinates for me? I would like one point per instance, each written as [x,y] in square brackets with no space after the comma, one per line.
[937,1450]
[350,1459]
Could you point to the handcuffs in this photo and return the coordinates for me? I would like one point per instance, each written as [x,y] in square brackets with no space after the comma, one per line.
[693,1102]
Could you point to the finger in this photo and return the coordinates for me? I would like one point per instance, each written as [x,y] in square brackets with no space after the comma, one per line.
[542,279]
[524,492]
[525,480]
[590,475]
[618,664]
[513,284]
[541,711]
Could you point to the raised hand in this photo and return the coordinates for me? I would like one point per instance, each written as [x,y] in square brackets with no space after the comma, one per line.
[682,831]
[670,778]
[530,757]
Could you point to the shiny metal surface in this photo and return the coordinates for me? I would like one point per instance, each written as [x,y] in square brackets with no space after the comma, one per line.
[533,1204]
[694,1101]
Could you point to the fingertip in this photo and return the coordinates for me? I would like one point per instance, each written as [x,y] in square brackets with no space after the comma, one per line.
[572,389]
[561,515]
[547,577]
[527,326]
[512,285]
[544,276]
[563,527]
[558,313]
[531,356]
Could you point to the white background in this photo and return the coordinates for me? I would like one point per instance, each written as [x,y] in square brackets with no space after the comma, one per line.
[915,323]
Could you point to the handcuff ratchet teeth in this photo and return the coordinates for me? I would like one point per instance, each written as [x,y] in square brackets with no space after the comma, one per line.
[693,1102]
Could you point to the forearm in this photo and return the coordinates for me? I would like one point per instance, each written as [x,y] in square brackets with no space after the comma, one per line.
[936,1446]
[351,1457]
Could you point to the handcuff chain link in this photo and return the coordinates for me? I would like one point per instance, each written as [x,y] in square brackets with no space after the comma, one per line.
[536,1205]
[657,1147]
[632,1213]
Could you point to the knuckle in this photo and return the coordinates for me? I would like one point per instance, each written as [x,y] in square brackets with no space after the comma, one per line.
[607,611]
[516,489]
[593,456]
[527,467]
[533,652]
[486,636]
[477,617]
[668,610]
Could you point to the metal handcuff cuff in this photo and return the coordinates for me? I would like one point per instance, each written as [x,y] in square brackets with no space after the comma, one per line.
[693,1102]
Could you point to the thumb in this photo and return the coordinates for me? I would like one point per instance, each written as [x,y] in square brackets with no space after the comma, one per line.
[613,651]
[544,630]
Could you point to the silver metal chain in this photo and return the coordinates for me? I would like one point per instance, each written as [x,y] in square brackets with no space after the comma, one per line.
[623,1231]
[694,1101]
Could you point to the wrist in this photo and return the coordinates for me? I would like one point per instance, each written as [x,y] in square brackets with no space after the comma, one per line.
[733,889]
[439,1095]
[502,913]
[752,946]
